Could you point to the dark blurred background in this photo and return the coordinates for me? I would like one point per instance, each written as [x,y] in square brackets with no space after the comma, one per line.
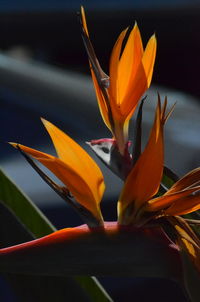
[49,30]
[43,72]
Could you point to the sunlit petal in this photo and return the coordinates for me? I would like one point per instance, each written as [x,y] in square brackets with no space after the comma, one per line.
[87,190]
[144,179]
[129,62]
[101,102]
[148,59]
[114,62]
[72,154]
[134,93]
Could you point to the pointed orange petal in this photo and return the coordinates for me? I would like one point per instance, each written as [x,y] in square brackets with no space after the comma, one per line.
[129,62]
[140,79]
[186,181]
[87,193]
[135,91]
[166,200]
[114,61]
[84,20]
[148,59]
[101,102]
[73,155]
[184,205]
[144,179]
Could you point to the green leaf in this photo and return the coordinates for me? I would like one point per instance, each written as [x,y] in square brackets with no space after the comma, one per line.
[97,293]
[35,222]
[169,177]
[26,211]
[35,288]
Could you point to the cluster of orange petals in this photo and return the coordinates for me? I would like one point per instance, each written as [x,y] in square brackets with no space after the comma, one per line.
[130,75]
[74,167]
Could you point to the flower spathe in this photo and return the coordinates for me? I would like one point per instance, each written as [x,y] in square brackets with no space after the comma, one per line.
[74,167]
[130,75]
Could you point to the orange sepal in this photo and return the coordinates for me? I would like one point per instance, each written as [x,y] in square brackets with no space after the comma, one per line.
[144,179]
[185,205]
[87,193]
[166,200]
[187,180]
[148,59]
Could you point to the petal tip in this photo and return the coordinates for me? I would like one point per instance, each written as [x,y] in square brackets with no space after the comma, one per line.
[43,120]
[13,144]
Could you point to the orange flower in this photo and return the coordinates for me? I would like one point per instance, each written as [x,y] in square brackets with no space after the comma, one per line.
[74,167]
[131,70]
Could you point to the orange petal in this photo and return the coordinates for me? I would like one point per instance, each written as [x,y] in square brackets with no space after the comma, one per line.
[144,179]
[73,155]
[88,194]
[134,92]
[166,200]
[148,59]
[84,20]
[101,102]
[186,181]
[140,79]
[114,61]
[184,205]
[187,239]
[129,62]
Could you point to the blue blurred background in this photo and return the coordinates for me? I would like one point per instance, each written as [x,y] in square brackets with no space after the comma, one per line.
[44,72]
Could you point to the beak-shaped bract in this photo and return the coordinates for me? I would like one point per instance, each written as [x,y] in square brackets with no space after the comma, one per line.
[74,167]
[131,69]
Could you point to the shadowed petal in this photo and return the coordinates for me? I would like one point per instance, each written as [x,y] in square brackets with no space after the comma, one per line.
[187,239]
[184,205]
[166,200]
[101,102]
[186,181]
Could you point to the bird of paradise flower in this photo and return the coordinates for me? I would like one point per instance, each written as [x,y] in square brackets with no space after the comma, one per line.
[140,204]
